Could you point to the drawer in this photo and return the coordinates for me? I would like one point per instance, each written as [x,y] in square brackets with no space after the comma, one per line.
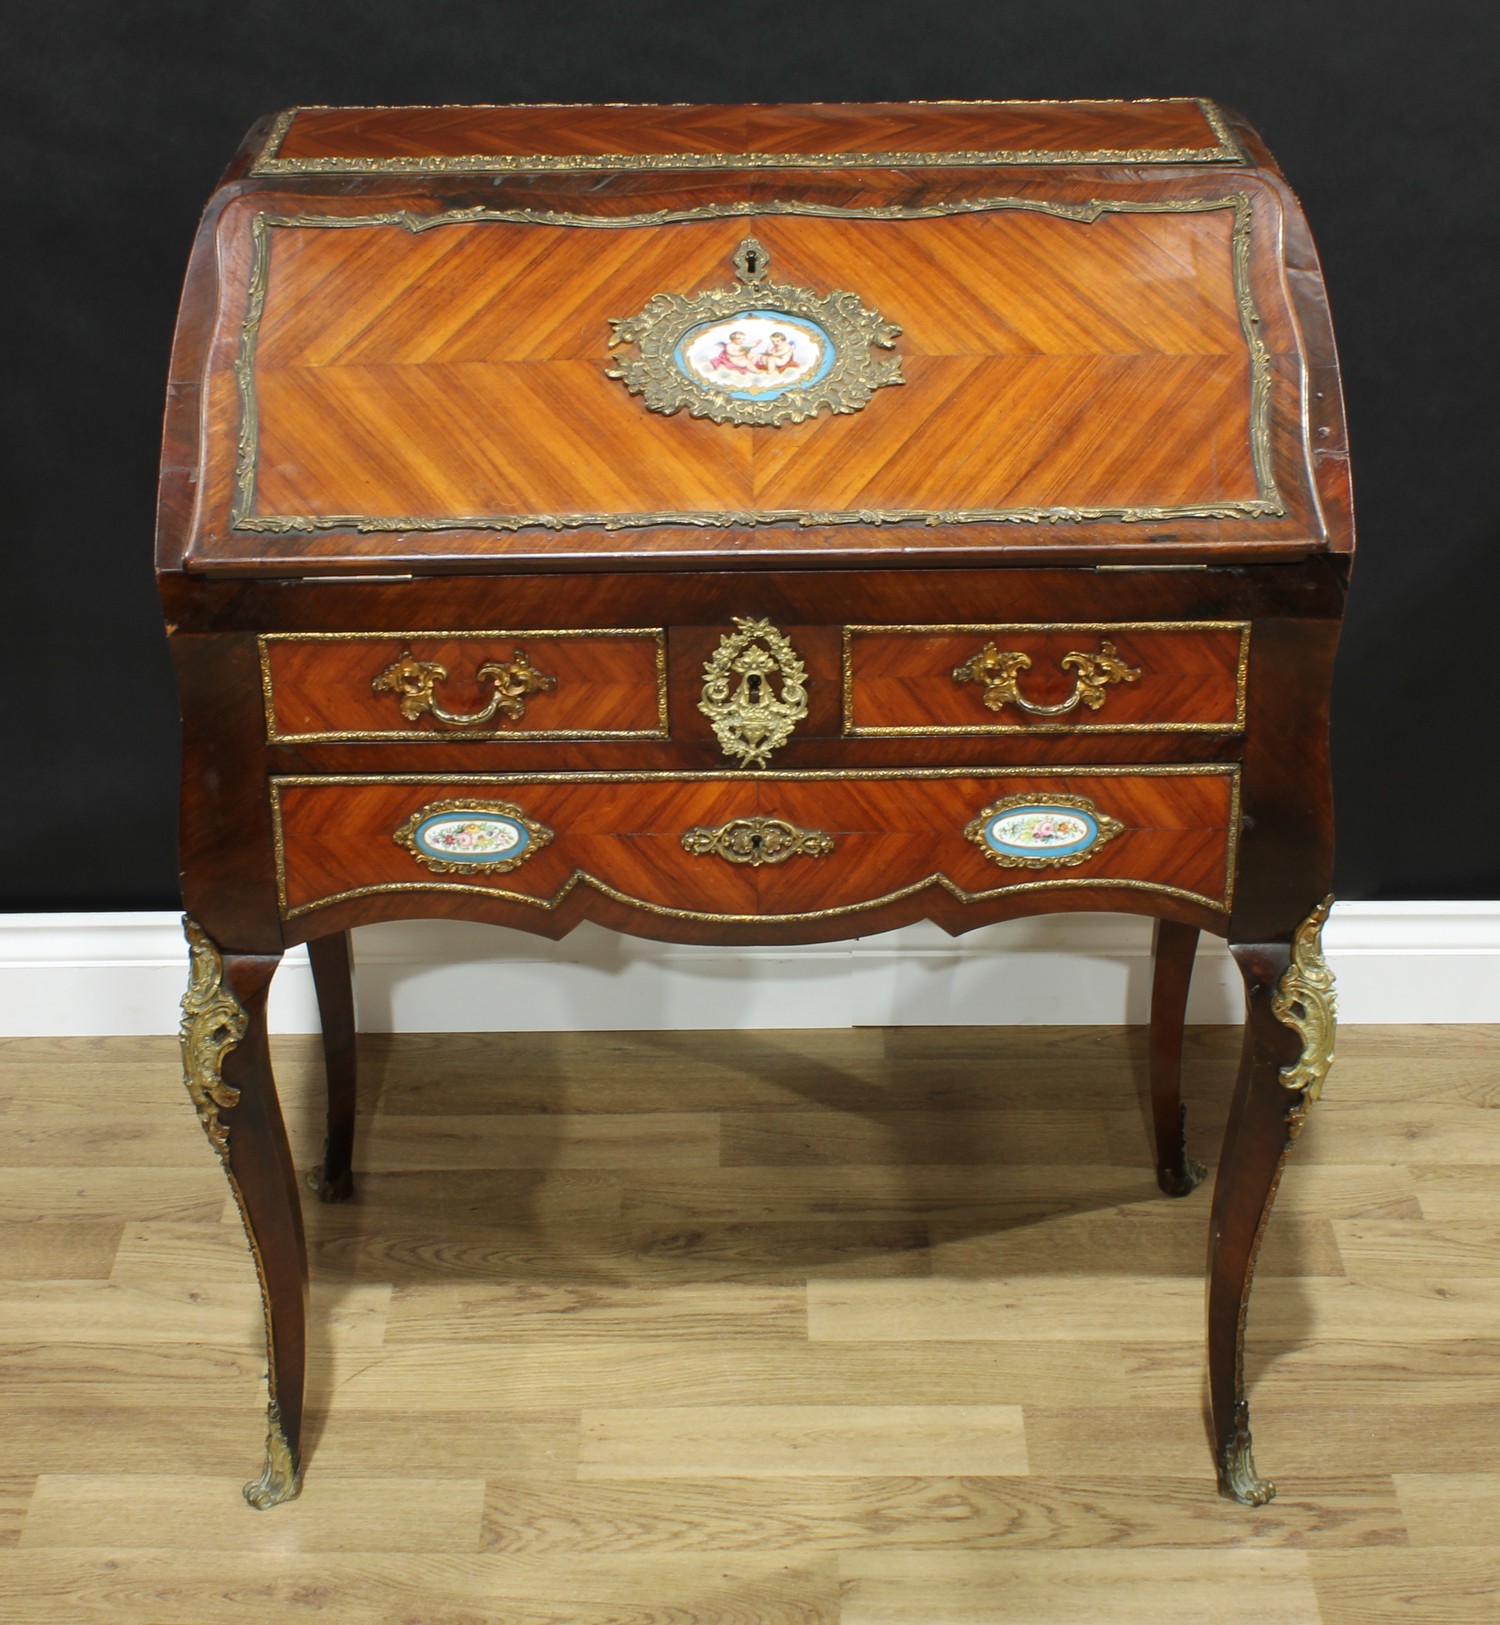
[464,685]
[749,846]
[1077,677]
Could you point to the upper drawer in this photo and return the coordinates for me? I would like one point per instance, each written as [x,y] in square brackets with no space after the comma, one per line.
[1083,677]
[464,685]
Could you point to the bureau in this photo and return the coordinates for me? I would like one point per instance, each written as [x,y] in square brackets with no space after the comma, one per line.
[754,525]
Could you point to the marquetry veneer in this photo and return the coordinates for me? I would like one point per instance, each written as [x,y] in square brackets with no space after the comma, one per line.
[754,524]
[893,832]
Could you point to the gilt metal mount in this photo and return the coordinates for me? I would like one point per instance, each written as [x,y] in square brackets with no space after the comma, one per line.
[414,682]
[465,836]
[757,841]
[998,672]
[759,352]
[213,1022]
[750,718]
[1042,831]
[1304,1001]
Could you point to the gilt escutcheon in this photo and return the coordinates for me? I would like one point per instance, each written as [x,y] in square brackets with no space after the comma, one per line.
[751,715]
[757,841]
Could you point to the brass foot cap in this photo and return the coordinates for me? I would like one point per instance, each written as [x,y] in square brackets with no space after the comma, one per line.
[281,1478]
[265,1492]
[1237,1476]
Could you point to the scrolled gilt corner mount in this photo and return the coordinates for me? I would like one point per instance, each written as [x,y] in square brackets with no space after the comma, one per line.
[1304,1000]
[759,352]
[213,1023]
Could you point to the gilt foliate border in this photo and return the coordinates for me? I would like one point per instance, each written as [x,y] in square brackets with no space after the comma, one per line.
[1226,150]
[1266,504]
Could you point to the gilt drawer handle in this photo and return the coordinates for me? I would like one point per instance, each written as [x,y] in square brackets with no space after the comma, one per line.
[413,682]
[998,671]
[756,841]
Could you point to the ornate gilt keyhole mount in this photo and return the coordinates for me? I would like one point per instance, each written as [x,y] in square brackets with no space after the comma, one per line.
[750,717]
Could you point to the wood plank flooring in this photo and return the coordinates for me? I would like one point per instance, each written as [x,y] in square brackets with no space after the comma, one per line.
[843,1328]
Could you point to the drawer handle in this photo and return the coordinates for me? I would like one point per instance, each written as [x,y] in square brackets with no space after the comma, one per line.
[413,682]
[998,671]
[756,841]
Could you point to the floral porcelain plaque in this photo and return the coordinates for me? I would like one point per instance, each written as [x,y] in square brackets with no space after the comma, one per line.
[761,352]
[451,837]
[1027,832]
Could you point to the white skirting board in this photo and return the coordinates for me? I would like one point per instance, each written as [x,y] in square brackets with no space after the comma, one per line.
[99,974]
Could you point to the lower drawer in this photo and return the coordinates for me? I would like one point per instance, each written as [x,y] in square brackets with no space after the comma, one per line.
[748,846]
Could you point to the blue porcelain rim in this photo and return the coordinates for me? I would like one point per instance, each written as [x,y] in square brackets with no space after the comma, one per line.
[830,353]
[419,836]
[1072,849]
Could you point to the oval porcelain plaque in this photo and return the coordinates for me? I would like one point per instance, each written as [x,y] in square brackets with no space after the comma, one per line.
[471,837]
[757,355]
[1041,831]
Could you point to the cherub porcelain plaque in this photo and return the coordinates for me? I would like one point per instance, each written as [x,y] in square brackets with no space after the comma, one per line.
[758,352]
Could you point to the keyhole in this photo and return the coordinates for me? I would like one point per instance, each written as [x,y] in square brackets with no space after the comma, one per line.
[752,262]
[754,688]
[755,842]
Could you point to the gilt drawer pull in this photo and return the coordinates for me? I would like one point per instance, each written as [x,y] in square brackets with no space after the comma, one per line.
[413,681]
[998,673]
[756,841]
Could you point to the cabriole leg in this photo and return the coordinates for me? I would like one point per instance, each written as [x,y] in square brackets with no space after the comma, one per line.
[1172,950]
[333,978]
[227,1069]
[1288,1048]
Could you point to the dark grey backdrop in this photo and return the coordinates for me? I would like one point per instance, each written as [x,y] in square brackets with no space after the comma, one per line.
[122,112]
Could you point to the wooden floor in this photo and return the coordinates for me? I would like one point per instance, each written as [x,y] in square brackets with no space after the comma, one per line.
[744,1329]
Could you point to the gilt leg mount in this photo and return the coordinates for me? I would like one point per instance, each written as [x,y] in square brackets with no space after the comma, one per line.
[1302,1000]
[214,1023]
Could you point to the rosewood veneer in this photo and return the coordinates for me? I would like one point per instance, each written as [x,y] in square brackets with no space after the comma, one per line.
[754,524]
